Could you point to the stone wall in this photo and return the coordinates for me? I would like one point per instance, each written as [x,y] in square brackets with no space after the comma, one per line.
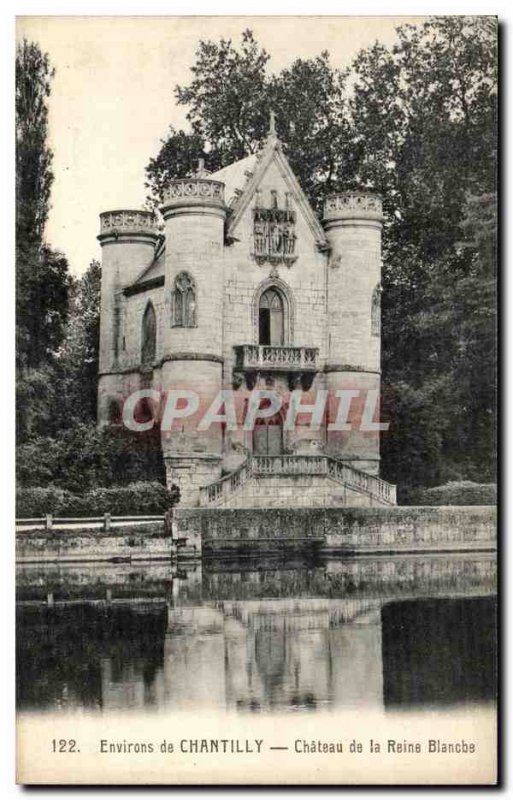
[144,543]
[340,530]
[130,329]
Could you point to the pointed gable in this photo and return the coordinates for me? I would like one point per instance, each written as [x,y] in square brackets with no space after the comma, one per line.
[244,178]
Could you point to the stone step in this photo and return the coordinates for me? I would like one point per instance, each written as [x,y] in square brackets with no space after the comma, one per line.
[305,480]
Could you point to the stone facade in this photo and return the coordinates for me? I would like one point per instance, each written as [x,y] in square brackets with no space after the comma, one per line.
[243,287]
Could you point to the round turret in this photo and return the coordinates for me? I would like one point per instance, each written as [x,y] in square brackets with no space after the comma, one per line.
[128,240]
[194,212]
[353,222]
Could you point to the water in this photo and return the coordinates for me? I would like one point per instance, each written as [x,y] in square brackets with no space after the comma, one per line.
[372,633]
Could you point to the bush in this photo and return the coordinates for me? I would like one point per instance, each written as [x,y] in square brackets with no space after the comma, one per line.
[36,501]
[454,493]
[136,498]
[86,457]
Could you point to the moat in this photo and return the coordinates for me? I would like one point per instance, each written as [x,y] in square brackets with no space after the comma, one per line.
[392,633]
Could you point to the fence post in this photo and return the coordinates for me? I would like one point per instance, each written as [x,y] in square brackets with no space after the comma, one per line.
[109,596]
[48,522]
[106,522]
[49,598]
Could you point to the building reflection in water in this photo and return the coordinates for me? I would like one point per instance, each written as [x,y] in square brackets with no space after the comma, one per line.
[423,636]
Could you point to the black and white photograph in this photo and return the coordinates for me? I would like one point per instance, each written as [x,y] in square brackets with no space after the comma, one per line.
[256,400]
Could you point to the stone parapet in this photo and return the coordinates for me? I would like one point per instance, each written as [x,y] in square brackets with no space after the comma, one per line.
[353,206]
[114,224]
[185,194]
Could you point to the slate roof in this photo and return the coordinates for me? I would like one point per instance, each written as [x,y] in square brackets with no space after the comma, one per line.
[234,177]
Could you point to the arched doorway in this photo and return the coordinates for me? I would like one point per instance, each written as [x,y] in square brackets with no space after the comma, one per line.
[268,436]
[271,318]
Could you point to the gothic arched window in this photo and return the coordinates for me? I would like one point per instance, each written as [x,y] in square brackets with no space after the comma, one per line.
[271,318]
[183,301]
[376,311]
[149,335]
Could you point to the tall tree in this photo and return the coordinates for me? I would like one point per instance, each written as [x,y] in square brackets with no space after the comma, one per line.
[78,360]
[424,112]
[226,98]
[34,175]
[42,292]
[42,277]
[310,101]
[229,100]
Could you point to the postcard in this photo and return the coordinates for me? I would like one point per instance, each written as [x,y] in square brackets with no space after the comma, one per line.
[256,375]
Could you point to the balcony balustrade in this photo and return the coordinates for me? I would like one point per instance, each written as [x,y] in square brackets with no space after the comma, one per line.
[276,466]
[273,357]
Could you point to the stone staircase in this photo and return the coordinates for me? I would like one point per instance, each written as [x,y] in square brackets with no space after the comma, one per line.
[303,479]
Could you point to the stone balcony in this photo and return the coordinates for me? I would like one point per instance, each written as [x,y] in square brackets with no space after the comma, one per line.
[300,364]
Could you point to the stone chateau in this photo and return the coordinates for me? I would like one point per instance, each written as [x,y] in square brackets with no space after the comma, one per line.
[243,288]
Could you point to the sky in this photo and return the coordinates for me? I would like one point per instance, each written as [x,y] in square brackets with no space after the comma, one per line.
[112,98]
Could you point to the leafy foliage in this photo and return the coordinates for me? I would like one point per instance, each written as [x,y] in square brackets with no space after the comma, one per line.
[424,112]
[226,97]
[136,498]
[229,100]
[34,176]
[78,360]
[57,329]
[456,493]
[43,286]
[42,279]
[83,457]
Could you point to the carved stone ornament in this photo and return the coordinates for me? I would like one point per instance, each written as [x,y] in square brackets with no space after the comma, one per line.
[189,188]
[237,379]
[357,205]
[274,237]
[128,221]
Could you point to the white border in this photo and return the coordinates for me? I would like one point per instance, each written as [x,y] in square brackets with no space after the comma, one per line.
[193,7]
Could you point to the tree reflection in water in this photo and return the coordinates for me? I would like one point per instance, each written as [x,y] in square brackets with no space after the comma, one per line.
[370,632]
